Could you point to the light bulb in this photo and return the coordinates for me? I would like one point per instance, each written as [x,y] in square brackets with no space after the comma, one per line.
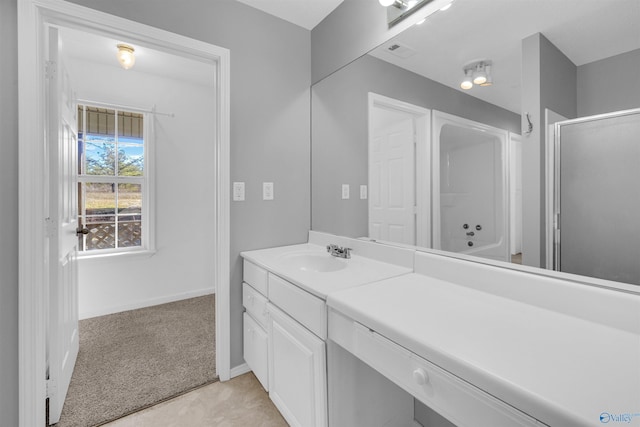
[467,83]
[126,57]
[479,76]
[386,3]
[446,6]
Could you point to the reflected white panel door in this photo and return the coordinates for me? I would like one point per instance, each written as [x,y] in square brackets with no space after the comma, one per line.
[62,222]
[392,214]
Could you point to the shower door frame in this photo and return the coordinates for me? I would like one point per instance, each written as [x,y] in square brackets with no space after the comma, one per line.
[553,158]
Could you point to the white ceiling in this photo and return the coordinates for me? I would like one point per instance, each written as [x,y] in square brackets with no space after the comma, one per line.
[585,30]
[305,13]
[84,46]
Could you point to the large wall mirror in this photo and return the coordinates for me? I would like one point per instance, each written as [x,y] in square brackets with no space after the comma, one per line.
[471,170]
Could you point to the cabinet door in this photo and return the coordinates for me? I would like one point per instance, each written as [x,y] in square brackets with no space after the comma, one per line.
[256,350]
[297,371]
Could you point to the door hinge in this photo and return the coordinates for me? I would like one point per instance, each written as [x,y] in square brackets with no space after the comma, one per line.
[50,69]
[51,387]
[49,227]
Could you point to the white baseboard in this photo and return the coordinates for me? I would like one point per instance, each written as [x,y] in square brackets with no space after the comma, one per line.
[239,370]
[103,311]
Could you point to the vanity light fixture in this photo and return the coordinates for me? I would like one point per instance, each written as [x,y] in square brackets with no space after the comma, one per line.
[477,73]
[125,55]
[386,3]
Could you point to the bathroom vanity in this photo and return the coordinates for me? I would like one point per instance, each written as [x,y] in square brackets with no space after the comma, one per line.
[479,344]
[285,323]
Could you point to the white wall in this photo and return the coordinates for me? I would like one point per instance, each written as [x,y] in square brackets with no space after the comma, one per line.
[184,194]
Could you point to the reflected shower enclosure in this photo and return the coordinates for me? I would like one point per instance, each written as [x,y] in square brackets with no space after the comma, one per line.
[470,205]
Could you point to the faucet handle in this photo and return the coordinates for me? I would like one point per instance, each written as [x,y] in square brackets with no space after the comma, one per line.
[347,252]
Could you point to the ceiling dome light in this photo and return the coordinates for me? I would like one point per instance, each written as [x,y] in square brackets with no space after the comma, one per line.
[125,56]
[479,75]
[386,3]
[467,83]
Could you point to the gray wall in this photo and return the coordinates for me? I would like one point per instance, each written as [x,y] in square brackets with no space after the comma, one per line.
[270,79]
[351,30]
[548,81]
[611,84]
[339,133]
[9,215]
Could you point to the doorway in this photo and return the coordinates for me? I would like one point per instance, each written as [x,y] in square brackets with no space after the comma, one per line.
[399,184]
[33,20]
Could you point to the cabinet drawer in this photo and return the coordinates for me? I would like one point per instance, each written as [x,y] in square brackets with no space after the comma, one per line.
[255,276]
[255,303]
[455,399]
[307,309]
[256,350]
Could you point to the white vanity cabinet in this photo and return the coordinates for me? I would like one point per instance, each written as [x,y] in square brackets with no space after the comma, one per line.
[297,366]
[284,332]
[255,338]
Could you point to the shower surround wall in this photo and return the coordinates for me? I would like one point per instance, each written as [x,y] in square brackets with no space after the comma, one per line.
[270,115]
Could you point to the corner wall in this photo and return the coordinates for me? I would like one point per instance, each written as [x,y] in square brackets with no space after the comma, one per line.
[9,214]
[609,85]
[549,81]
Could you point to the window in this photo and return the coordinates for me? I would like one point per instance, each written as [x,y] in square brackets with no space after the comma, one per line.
[113,187]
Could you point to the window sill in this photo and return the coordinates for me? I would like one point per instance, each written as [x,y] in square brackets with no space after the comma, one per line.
[112,256]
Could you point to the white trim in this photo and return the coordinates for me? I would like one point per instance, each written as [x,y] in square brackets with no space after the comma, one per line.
[550,119]
[33,15]
[240,370]
[422,119]
[146,303]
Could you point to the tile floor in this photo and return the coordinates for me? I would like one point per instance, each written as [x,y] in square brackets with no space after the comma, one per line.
[239,402]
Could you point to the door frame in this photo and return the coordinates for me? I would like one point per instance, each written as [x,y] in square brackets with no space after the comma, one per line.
[422,119]
[33,17]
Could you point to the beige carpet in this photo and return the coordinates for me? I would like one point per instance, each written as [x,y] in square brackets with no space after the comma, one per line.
[132,360]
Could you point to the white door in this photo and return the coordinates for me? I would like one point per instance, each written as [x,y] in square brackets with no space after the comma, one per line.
[392,177]
[297,371]
[62,222]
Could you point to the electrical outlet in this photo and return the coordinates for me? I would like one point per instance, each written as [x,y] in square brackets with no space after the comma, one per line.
[363,192]
[345,191]
[238,191]
[267,191]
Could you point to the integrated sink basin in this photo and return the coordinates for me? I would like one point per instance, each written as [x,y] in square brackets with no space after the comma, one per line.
[313,262]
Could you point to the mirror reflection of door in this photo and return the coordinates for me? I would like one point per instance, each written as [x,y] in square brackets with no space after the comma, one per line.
[392,215]
[597,197]
[399,176]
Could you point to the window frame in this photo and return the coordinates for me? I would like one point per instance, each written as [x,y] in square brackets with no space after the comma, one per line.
[147,181]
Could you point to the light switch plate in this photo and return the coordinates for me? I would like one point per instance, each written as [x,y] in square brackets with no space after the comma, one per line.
[267,191]
[345,191]
[238,191]
[363,192]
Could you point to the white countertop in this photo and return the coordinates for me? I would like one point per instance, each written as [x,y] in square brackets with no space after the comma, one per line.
[563,370]
[359,270]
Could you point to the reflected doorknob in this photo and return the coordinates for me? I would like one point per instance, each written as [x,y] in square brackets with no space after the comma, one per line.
[82,230]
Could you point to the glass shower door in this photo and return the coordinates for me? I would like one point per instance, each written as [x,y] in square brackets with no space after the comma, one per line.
[598,196]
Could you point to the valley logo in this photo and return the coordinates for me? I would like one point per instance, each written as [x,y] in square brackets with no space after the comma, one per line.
[627,417]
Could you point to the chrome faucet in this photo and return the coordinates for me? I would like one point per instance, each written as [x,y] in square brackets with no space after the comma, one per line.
[339,251]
